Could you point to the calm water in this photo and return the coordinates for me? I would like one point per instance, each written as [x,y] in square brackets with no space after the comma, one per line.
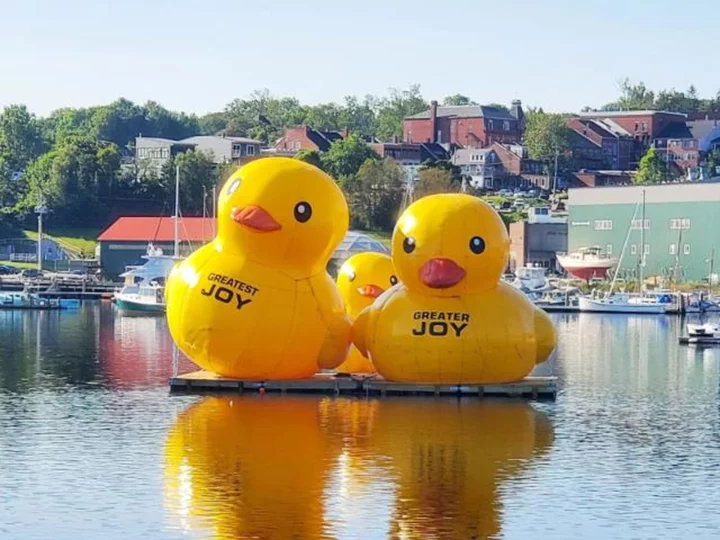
[92,446]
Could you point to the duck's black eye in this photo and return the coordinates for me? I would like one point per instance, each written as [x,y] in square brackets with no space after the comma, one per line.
[409,244]
[477,245]
[303,211]
[393,280]
[351,275]
[232,188]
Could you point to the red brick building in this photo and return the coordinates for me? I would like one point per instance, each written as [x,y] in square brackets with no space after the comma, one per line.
[307,138]
[597,144]
[473,126]
[643,126]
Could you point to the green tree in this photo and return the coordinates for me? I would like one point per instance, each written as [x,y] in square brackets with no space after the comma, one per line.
[20,137]
[375,193]
[632,97]
[197,171]
[358,117]
[74,179]
[313,157]
[651,169]
[458,99]
[713,163]
[392,110]
[432,180]
[545,135]
[346,156]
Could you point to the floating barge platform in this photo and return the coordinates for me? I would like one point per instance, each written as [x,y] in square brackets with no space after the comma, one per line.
[540,388]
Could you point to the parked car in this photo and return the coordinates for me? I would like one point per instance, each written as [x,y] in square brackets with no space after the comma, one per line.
[32,273]
[6,270]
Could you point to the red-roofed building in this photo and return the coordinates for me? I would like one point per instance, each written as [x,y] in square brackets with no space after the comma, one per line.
[125,242]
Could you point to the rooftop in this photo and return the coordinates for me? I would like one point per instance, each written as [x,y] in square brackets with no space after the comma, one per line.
[610,114]
[158,229]
[465,111]
[243,140]
[704,128]
[675,131]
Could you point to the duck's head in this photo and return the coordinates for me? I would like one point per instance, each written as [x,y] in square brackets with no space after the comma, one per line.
[364,277]
[283,213]
[448,245]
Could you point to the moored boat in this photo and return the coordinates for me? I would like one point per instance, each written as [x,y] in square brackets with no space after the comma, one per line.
[587,263]
[625,303]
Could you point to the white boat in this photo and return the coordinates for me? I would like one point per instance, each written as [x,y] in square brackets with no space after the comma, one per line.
[624,303]
[706,330]
[531,279]
[144,287]
[144,290]
[587,263]
[642,303]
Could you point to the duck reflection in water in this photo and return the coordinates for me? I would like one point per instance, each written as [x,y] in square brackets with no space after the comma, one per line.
[302,467]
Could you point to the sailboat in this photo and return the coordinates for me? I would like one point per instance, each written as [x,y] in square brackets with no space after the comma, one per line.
[641,303]
[148,294]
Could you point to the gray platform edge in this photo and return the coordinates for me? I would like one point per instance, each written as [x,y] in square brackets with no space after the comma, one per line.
[534,388]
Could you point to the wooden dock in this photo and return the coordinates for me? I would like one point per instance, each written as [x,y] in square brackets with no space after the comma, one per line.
[706,340]
[327,383]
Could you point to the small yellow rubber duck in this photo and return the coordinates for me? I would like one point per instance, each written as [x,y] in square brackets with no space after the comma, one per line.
[362,278]
[257,302]
[451,320]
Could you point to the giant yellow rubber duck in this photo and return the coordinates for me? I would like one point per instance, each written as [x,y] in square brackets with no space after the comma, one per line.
[257,302]
[451,320]
[361,279]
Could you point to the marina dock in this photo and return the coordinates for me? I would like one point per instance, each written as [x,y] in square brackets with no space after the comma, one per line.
[540,388]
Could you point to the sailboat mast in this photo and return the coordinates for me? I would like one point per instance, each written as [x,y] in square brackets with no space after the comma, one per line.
[214,207]
[642,243]
[176,251]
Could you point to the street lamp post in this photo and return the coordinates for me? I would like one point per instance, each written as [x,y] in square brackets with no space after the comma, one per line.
[40,210]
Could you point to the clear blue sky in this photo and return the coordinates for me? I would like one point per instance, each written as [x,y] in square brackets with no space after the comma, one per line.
[198,55]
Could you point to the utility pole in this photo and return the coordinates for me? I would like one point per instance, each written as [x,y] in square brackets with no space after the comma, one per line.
[555,174]
[177,210]
[40,210]
[214,207]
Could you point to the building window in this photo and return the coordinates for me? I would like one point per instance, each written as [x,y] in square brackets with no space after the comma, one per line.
[603,225]
[680,223]
[686,249]
[608,249]
[250,149]
[633,249]
[673,249]
[295,145]
[635,225]
[647,249]
[637,126]
[490,124]
[644,127]
[506,125]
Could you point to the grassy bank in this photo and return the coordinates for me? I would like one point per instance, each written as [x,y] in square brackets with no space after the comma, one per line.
[78,241]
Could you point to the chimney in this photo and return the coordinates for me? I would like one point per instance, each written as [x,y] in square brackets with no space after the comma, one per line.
[433,120]
[517,112]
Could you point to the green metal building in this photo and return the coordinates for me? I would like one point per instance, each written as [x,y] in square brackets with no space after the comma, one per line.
[681,227]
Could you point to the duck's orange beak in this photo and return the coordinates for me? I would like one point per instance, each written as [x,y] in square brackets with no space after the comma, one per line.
[441,273]
[256,218]
[371,291]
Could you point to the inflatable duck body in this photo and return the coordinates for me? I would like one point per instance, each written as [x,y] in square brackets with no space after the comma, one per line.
[451,320]
[361,279]
[257,302]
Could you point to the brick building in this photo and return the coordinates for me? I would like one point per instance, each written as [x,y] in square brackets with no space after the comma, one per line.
[470,126]
[307,138]
[643,126]
[411,156]
[599,144]
[687,145]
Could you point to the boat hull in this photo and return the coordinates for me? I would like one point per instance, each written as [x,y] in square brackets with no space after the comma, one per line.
[597,306]
[131,306]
